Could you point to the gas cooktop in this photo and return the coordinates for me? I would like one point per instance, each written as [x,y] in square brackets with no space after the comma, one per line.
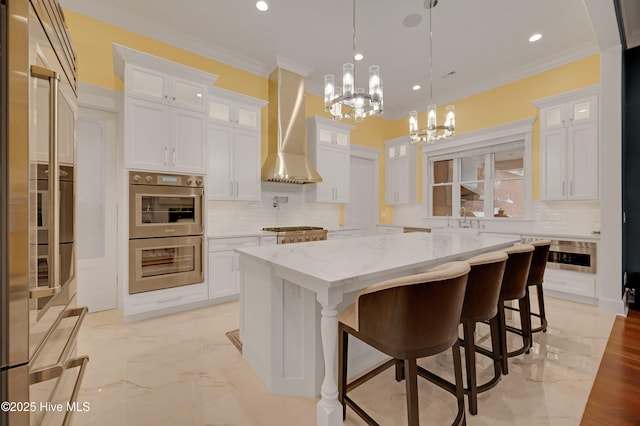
[293,228]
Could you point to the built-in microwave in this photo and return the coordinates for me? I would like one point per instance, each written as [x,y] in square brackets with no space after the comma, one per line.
[580,256]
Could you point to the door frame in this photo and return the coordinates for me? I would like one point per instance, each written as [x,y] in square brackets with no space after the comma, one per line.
[372,155]
[112,101]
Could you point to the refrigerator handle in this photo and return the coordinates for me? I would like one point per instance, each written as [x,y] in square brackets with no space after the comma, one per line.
[54,186]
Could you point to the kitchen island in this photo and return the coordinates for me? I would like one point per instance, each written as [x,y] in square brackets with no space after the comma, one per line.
[290,297]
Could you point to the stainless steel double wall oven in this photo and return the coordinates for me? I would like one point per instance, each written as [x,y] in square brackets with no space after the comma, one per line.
[166,230]
[39,321]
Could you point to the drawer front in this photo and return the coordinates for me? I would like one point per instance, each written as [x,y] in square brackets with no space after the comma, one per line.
[582,284]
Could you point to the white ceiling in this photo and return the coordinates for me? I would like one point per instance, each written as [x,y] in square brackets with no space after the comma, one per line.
[484,42]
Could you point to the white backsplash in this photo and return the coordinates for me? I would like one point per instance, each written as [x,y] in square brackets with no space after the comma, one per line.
[579,218]
[249,216]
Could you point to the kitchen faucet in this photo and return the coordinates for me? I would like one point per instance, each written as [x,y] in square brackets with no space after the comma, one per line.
[462,223]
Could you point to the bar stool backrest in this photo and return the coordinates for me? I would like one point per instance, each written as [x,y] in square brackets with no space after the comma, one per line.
[538,261]
[514,282]
[414,316]
[483,286]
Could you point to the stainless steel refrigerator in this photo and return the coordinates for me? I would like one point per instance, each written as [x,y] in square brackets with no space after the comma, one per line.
[40,372]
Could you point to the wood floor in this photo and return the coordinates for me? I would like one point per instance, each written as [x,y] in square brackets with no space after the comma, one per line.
[615,396]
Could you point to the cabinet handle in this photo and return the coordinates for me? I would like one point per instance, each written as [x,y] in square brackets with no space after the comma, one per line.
[173,161]
[164,157]
[230,189]
[237,188]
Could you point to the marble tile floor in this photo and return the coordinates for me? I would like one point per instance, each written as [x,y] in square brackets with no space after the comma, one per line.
[181,369]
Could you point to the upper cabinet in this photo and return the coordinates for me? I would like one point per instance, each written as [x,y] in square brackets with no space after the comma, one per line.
[234,146]
[400,171]
[329,151]
[160,87]
[166,108]
[569,146]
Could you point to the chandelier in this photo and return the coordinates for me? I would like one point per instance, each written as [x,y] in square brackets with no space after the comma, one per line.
[348,101]
[433,131]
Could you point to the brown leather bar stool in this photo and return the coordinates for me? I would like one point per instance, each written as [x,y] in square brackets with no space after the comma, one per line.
[481,304]
[535,278]
[514,287]
[406,318]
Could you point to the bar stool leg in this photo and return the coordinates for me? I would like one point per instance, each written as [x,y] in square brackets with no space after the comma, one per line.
[543,316]
[399,370]
[502,323]
[494,324]
[470,360]
[411,379]
[457,368]
[524,306]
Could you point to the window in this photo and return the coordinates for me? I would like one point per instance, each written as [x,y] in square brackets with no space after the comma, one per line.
[480,176]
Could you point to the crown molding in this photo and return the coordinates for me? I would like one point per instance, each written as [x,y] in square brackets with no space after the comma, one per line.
[106,13]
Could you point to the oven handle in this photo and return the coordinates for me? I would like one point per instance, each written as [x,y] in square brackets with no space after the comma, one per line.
[54,188]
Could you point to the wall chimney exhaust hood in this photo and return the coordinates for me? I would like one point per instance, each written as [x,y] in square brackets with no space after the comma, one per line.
[287,144]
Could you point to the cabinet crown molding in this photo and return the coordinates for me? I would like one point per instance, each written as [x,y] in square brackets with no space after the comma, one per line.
[567,96]
[123,55]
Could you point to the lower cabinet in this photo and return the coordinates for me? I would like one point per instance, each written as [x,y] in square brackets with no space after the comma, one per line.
[224,267]
[569,283]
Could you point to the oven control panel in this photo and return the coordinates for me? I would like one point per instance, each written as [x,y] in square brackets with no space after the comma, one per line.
[165,179]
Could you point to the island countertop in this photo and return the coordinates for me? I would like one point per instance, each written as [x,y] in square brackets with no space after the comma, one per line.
[336,261]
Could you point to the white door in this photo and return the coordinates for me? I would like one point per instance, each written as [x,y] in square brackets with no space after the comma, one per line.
[97,209]
[362,210]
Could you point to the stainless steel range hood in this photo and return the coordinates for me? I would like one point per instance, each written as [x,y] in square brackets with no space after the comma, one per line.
[287,153]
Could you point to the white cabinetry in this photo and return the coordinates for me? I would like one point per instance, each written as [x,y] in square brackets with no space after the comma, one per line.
[570,282]
[165,111]
[329,151]
[400,171]
[569,146]
[161,87]
[234,146]
[161,137]
[224,268]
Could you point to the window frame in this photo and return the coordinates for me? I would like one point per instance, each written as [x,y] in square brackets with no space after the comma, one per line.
[486,142]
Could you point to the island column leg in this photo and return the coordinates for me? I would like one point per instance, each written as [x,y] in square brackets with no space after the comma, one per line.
[329,410]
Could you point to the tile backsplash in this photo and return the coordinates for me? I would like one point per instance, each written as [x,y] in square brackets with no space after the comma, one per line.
[249,216]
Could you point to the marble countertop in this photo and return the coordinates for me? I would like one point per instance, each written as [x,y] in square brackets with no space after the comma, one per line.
[337,261]
[261,233]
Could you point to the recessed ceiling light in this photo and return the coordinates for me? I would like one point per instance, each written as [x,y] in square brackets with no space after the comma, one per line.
[358,57]
[262,5]
[535,37]
[416,87]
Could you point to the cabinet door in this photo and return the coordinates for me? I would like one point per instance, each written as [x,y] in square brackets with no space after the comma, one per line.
[187,94]
[219,178]
[247,117]
[582,151]
[341,170]
[553,160]
[402,180]
[189,136]
[146,84]
[325,190]
[246,165]
[554,117]
[224,276]
[148,135]
[583,110]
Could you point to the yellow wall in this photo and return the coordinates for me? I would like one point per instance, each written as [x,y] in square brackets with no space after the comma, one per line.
[93,41]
